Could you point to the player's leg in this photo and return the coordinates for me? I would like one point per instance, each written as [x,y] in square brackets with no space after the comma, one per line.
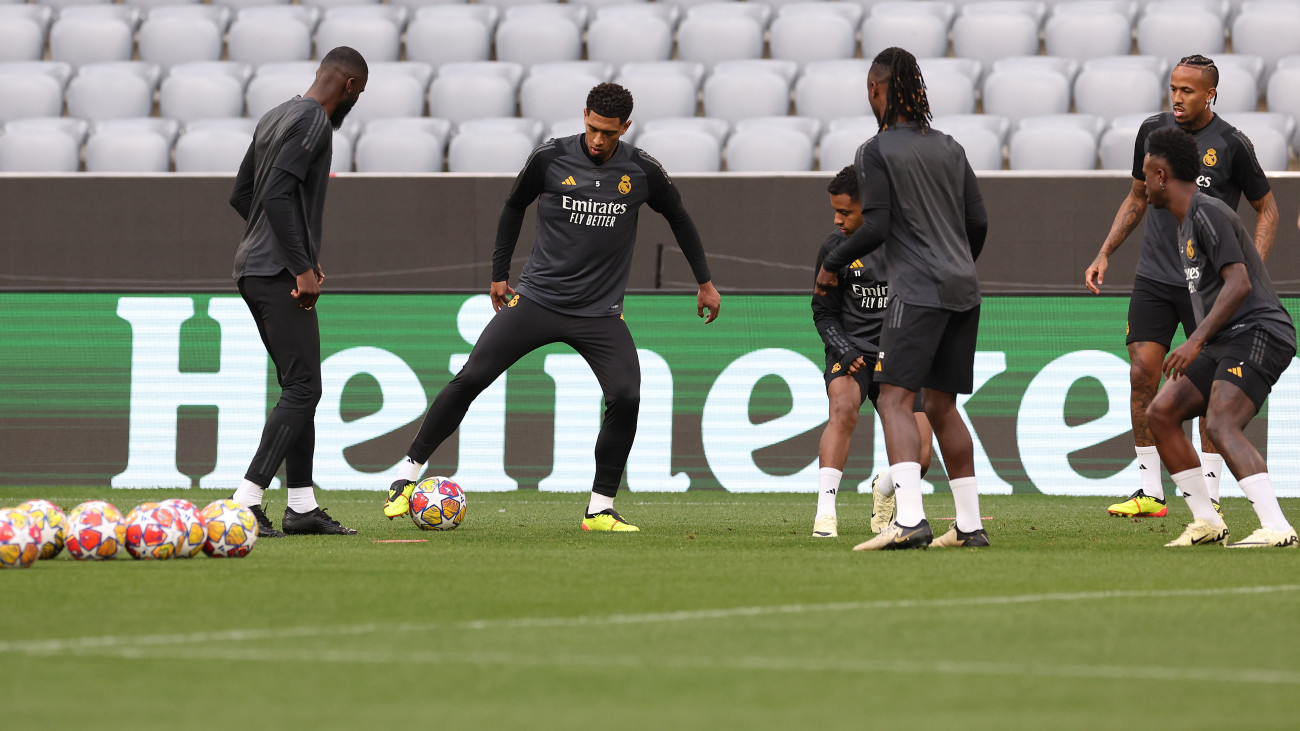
[845,395]
[882,487]
[1180,401]
[606,344]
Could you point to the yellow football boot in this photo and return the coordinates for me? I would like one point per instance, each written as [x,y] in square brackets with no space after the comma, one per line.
[608,520]
[1140,505]
[399,499]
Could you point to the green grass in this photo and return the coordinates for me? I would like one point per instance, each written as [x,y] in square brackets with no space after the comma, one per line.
[519,620]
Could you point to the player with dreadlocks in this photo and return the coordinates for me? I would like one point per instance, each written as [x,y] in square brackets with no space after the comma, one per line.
[1160,300]
[920,200]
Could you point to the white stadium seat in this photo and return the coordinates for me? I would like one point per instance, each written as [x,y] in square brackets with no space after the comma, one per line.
[1236,90]
[769,149]
[807,126]
[134,151]
[399,150]
[1111,92]
[21,39]
[341,153]
[839,147]
[599,69]
[1117,142]
[166,128]
[788,70]
[660,95]
[240,72]
[1272,148]
[1087,35]
[530,39]
[244,125]
[269,90]
[987,37]
[215,13]
[211,151]
[268,39]
[1046,148]
[150,72]
[819,92]
[390,94]
[1068,67]
[741,94]
[1270,31]
[553,97]
[1000,126]
[464,91]
[710,39]
[438,40]
[542,11]
[689,69]
[29,94]
[533,129]
[1090,123]
[683,151]
[1284,124]
[57,70]
[376,39]
[1284,91]
[949,92]
[983,148]
[812,37]
[90,40]
[38,151]
[760,12]
[720,129]
[74,128]
[488,152]
[109,96]
[629,38]
[170,41]
[849,11]
[1016,93]
[1169,33]
[186,97]
[924,34]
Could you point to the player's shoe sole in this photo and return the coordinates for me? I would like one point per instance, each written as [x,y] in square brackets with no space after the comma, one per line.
[1140,505]
[264,527]
[955,538]
[897,538]
[314,522]
[882,507]
[399,499]
[608,521]
[1267,538]
[826,526]
[1200,533]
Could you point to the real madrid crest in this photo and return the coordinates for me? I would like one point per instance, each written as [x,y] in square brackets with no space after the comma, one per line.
[1191,253]
[1211,157]
[625,185]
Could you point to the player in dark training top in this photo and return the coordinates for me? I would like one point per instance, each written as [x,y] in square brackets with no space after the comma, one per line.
[1228,169]
[589,189]
[921,201]
[280,192]
[1242,343]
[849,320]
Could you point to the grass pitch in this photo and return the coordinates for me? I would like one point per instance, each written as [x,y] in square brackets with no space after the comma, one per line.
[722,613]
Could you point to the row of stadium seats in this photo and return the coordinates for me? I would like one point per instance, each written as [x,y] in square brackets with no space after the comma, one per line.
[709,33]
[683,145]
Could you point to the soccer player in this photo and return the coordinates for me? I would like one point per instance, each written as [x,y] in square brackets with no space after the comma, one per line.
[280,192]
[920,199]
[1243,341]
[590,188]
[1160,300]
[849,321]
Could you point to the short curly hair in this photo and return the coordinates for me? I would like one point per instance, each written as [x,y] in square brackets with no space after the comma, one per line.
[845,182]
[1179,149]
[610,100]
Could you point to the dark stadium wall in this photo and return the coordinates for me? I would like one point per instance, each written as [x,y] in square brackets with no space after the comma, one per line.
[383,234]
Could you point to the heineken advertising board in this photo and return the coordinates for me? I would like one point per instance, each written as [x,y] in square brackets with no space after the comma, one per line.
[172,391]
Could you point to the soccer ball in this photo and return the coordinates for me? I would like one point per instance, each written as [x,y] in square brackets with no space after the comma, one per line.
[231,529]
[437,503]
[192,527]
[153,532]
[51,521]
[95,531]
[20,539]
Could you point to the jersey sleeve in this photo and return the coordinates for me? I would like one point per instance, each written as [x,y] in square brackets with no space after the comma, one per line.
[1214,231]
[531,181]
[306,138]
[1246,172]
[873,180]
[1140,145]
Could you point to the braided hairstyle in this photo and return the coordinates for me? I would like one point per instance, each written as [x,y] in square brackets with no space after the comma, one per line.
[1207,68]
[906,96]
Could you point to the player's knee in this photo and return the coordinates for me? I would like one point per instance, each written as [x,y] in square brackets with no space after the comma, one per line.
[1219,429]
[625,397]
[1143,377]
[1161,417]
[843,413]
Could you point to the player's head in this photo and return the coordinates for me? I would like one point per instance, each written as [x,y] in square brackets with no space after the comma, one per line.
[844,200]
[896,90]
[607,115]
[1192,89]
[1171,165]
[341,78]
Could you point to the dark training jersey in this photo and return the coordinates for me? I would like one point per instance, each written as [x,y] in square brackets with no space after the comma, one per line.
[1228,169]
[1212,237]
[850,318]
[586,225]
[296,139]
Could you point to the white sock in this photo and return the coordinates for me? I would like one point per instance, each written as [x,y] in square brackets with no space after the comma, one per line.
[885,484]
[1259,488]
[249,494]
[598,503]
[967,500]
[828,485]
[1212,468]
[908,510]
[302,499]
[1149,469]
[1191,483]
[410,469]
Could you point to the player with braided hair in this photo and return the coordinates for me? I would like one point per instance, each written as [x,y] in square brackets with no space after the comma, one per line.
[919,198]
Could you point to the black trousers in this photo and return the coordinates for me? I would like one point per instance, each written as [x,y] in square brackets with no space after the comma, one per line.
[524,326]
[292,338]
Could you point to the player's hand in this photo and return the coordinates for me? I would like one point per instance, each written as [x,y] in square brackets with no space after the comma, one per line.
[858,364]
[320,274]
[1096,273]
[308,289]
[501,292]
[1181,357]
[826,281]
[708,299]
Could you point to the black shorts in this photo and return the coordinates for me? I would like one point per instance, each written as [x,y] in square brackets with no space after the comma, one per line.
[1154,311]
[928,348]
[1252,361]
[867,385]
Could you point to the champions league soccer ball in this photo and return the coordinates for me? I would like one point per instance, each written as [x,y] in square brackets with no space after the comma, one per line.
[51,521]
[231,529]
[437,503]
[95,532]
[193,530]
[153,532]
[20,539]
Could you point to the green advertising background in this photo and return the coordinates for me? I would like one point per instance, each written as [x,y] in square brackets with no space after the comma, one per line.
[65,380]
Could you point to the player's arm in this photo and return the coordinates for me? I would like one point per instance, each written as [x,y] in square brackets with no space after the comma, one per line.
[304,141]
[664,199]
[977,218]
[241,198]
[1129,214]
[1250,177]
[528,186]
[876,198]
[826,317]
[1265,224]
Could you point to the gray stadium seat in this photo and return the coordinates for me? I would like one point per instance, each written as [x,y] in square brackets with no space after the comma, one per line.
[553,97]
[968,66]
[1116,147]
[216,13]
[1272,148]
[1016,93]
[761,12]
[90,40]
[660,95]
[839,147]
[399,150]
[167,128]
[1000,126]
[683,151]
[38,151]
[109,96]
[1268,30]
[343,149]
[809,127]
[599,69]
[41,15]
[812,37]
[949,92]
[392,93]
[819,92]
[1284,124]
[987,37]
[488,152]
[29,93]
[150,72]
[1068,67]
[240,72]
[691,70]
[536,11]
[1236,90]
[735,95]
[399,15]
[168,41]
[1127,8]
[1171,31]
[850,11]
[533,129]
[531,39]
[769,149]
[437,40]
[187,97]
[662,10]
[629,37]
[711,39]
[1090,123]
[244,125]
[923,33]
[719,128]
[21,38]
[211,151]
[377,39]
[464,91]
[259,39]
[1044,148]
[788,70]
[1112,92]
[277,84]
[983,148]
[74,128]
[127,151]
[487,14]
[1087,35]
[1284,91]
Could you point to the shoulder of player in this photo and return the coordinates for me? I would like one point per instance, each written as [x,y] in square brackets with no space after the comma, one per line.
[1155,122]
[651,167]
[548,152]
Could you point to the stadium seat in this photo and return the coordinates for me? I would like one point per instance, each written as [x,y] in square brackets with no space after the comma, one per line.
[1284,124]
[812,37]
[736,95]
[553,97]
[1087,35]
[660,95]
[127,151]
[328,5]
[244,125]
[399,150]
[490,151]
[987,37]
[1018,93]
[983,148]
[21,38]
[769,149]
[788,70]
[599,69]
[1112,92]
[533,129]
[399,15]
[29,94]
[240,72]
[949,92]
[1170,32]
[1250,63]
[109,96]
[923,33]
[276,12]
[849,11]
[1272,148]
[464,91]
[1032,8]
[41,15]
[1127,8]
[1000,126]
[276,84]
[1284,91]
[579,15]
[692,71]
[80,9]
[211,151]
[392,92]
[719,128]
[1090,123]
[150,72]
[627,37]
[684,150]
[1220,9]
[761,12]
[377,39]
[530,39]
[90,40]
[1236,90]
[57,70]
[241,5]
[662,10]
[1268,30]
[74,128]
[186,97]
[820,90]
[487,14]
[968,66]
[170,41]
[260,39]
[1118,141]
[166,128]
[511,3]
[710,39]
[38,151]
[1068,67]
[1153,64]
[342,150]
[839,147]
[216,13]
[1053,148]
[437,40]
[809,127]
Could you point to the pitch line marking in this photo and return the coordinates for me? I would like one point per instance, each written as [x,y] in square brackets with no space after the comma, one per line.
[80,644]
